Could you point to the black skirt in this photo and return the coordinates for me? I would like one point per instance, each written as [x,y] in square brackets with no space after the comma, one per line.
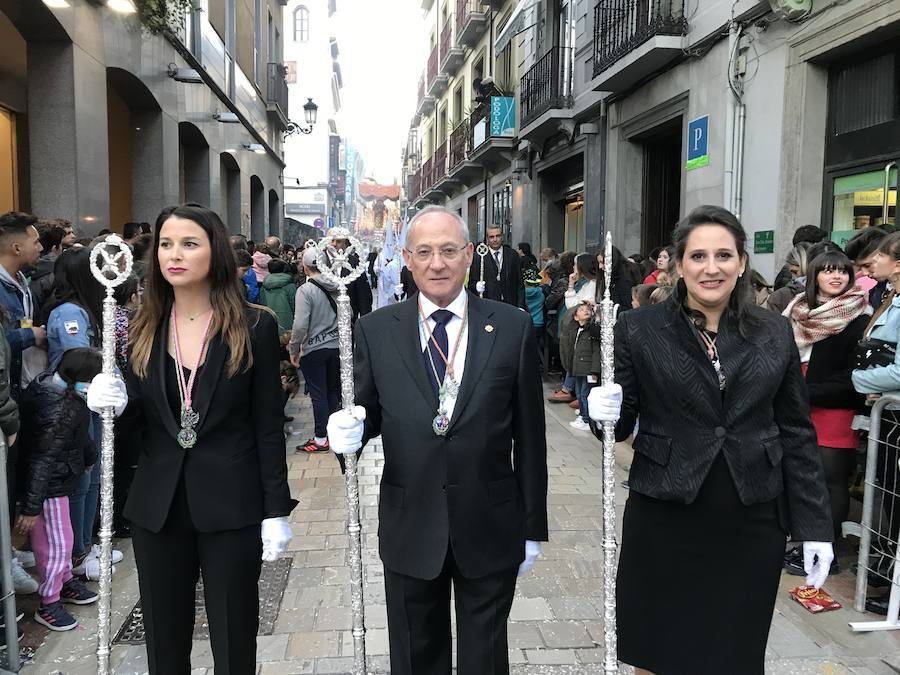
[697,583]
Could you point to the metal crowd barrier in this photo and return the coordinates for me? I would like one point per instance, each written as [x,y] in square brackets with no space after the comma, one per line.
[9,593]
[879,554]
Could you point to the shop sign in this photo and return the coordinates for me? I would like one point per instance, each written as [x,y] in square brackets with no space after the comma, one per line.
[503,116]
[841,237]
[764,241]
[698,144]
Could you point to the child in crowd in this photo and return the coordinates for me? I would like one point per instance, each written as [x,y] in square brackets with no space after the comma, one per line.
[534,299]
[57,452]
[278,293]
[640,295]
[661,294]
[580,355]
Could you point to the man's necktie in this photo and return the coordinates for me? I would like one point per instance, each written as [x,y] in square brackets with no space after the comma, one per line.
[497,258]
[439,332]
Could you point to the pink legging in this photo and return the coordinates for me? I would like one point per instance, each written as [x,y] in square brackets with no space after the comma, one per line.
[51,540]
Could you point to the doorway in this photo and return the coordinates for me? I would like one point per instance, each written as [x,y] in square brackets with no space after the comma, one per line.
[661,184]
[574,223]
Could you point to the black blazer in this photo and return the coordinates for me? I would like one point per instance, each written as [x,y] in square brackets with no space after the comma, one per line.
[236,474]
[762,426]
[511,287]
[830,364]
[483,486]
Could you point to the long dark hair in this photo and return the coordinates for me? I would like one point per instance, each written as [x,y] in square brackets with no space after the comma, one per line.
[73,282]
[586,264]
[827,261]
[226,295]
[740,305]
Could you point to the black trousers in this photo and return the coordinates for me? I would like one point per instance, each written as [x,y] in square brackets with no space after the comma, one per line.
[169,563]
[418,614]
[322,372]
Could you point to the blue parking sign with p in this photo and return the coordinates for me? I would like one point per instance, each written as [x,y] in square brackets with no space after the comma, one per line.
[698,143]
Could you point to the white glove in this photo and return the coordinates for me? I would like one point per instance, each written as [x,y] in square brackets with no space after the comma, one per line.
[345,430]
[480,286]
[532,551]
[276,535]
[398,289]
[605,403]
[817,570]
[107,391]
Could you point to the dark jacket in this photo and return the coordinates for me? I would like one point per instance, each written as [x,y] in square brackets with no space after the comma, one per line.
[54,441]
[482,486]
[359,291]
[9,411]
[509,288]
[780,299]
[236,474]
[579,351]
[761,424]
[19,339]
[830,364]
[277,293]
[783,278]
[42,285]
[555,302]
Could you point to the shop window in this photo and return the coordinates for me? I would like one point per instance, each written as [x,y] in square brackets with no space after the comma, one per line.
[858,202]
[501,208]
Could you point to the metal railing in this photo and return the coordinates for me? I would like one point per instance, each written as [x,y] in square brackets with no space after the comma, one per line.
[620,26]
[459,145]
[439,168]
[433,65]
[547,85]
[446,38]
[277,88]
[879,554]
[414,189]
[421,89]
[464,10]
[426,173]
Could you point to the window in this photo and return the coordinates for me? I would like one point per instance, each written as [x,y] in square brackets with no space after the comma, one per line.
[501,208]
[301,24]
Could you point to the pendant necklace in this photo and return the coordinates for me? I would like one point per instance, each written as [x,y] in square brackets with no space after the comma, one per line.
[187,437]
[449,387]
[713,353]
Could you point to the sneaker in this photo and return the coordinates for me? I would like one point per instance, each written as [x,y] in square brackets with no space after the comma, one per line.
[311,446]
[75,593]
[579,424]
[561,396]
[575,405]
[89,569]
[879,604]
[55,617]
[25,558]
[22,581]
[117,555]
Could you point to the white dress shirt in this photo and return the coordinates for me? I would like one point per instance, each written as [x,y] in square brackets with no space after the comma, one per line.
[458,307]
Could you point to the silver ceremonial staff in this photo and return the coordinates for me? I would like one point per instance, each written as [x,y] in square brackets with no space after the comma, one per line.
[481,250]
[607,321]
[110,265]
[332,263]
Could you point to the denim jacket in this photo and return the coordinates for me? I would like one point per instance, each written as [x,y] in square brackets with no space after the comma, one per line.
[883,379]
[20,339]
[67,327]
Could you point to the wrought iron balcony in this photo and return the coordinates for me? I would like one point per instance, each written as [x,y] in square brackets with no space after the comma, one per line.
[427,175]
[622,26]
[547,85]
[425,101]
[437,81]
[472,18]
[439,168]
[459,145]
[277,93]
[451,55]
[414,190]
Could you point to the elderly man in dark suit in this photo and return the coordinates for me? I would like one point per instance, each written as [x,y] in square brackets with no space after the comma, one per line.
[502,272]
[452,384]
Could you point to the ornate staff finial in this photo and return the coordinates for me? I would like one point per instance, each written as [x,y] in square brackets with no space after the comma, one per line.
[482,250]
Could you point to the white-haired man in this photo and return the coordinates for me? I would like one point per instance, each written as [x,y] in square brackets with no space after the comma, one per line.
[451,383]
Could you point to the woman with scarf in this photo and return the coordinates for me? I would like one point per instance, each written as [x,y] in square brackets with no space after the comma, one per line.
[828,320]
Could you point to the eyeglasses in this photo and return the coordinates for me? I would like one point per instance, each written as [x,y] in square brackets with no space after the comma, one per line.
[447,253]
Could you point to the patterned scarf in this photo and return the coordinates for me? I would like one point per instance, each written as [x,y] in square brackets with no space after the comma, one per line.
[829,318]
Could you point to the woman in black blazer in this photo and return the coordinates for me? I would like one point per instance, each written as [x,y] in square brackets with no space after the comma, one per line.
[828,320]
[210,493]
[725,466]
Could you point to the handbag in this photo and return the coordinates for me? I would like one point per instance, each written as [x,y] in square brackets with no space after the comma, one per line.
[871,352]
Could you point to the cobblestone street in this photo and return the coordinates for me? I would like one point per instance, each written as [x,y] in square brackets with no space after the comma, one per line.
[555,624]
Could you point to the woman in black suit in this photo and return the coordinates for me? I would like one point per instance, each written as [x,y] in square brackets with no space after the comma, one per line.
[210,493]
[726,464]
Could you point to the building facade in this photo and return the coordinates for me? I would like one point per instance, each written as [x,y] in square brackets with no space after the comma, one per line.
[104,121]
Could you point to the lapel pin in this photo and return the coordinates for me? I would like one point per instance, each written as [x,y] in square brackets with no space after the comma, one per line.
[489,329]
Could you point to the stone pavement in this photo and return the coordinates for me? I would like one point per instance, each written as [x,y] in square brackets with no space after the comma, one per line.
[555,624]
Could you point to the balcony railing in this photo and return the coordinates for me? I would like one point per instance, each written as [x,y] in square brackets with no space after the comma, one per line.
[427,174]
[421,89]
[471,20]
[432,65]
[277,89]
[439,169]
[547,85]
[414,186]
[446,38]
[620,26]
[459,145]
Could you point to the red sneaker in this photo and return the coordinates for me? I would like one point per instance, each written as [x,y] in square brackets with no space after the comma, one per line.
[561,396]
[311,446]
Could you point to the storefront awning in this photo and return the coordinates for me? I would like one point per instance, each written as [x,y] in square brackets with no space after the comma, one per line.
[521,19]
